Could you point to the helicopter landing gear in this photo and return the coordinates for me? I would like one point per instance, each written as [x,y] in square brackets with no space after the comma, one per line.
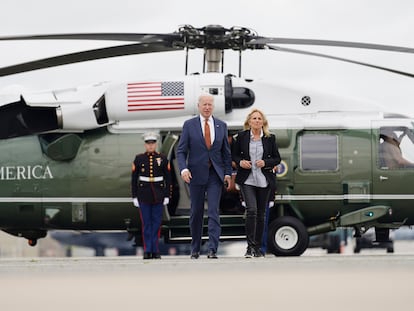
[287,237]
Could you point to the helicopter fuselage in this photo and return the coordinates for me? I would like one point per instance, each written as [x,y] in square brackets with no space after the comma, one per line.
[330,177]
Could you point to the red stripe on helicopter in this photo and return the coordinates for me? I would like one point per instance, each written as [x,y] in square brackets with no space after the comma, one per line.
[144,96]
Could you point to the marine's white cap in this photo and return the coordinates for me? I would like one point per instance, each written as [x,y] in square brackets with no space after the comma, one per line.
[150,136]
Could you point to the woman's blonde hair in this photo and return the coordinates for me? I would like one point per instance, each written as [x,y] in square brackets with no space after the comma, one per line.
[246,125]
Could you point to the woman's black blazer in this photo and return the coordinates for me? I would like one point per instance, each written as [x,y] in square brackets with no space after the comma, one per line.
[271,156]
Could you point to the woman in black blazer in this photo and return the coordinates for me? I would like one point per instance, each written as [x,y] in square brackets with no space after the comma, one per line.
[256,154]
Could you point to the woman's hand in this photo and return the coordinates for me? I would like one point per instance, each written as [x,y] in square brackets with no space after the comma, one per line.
[246,164]
[260,163]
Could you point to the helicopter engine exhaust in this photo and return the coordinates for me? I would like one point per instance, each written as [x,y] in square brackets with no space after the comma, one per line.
[18,119]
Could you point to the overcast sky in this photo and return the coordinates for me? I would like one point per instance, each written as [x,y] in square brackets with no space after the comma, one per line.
[374,21]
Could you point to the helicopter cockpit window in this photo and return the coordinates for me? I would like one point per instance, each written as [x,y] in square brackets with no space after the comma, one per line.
[319,152]
[396,148]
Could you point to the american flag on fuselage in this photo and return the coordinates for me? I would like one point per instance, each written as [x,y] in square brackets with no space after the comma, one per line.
[144,96]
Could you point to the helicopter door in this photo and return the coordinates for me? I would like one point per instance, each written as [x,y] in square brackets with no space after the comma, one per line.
[167,149]
[168,145]
[393,165]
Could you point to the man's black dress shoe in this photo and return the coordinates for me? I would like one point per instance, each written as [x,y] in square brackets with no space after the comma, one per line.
[212,255]
[147,255]
[156,256]
[195,255]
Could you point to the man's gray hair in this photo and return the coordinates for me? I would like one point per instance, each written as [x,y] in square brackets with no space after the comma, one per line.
[204,94]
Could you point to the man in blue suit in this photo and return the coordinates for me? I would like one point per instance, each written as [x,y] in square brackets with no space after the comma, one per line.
[204,160]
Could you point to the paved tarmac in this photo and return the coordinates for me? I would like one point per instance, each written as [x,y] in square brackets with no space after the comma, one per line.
[374,281]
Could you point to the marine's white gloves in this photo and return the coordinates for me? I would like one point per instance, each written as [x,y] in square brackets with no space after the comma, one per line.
[271,203]
[136,203]
[166,201]
[243,203]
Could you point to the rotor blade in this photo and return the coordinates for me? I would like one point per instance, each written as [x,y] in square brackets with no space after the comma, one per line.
[135,37]
[340,59]
[114,51]
[199,37]
[371,46]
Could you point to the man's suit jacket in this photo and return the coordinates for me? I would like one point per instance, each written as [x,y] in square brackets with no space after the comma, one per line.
[192,152]
[271,156]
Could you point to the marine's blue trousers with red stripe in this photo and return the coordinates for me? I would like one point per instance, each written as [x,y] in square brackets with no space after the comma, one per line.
[151,218]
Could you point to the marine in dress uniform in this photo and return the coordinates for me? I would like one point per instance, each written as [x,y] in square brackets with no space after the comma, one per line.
[150,187]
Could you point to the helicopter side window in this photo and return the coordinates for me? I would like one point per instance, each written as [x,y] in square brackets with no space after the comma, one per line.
[396,148]
[319,152]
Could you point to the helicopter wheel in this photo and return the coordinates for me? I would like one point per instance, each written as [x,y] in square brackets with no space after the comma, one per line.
[32,242]
[287,237]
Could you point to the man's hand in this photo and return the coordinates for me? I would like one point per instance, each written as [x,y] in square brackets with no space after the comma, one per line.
[136,203]
[166,201]
[186,176]
[227,182]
